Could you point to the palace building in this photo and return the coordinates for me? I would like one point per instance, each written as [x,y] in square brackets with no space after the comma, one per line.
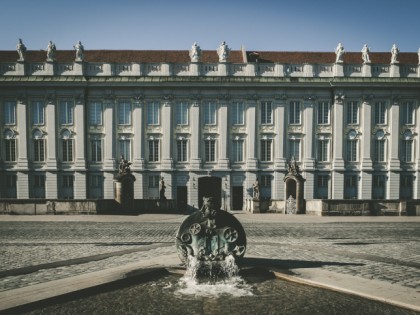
[209,121]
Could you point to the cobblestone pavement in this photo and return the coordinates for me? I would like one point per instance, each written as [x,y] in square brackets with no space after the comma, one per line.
[33,252]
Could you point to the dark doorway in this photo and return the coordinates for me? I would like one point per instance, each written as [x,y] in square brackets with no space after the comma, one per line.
[291,188]
[210,187]
[182,198]
[237,197]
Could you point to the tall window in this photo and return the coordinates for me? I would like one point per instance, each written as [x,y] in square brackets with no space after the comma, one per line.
[124,113]
[154,181]
[350,186]
[210,150]
[266,150]
[96,181]
[352,116]
[68,181]
[322,181]
[378,186]
[153,150]
[11,181]
[351,150]
[266,181]
[10,113]
[95,114]
[39,150]
[67,150]
[294,149]
[153,113]
[209,113]
[294,113]
[323,155]
[181,150]
[37,113]
[238,150]
[380,111]
[266,113]
[407,150]
[39,181]
[125,148]
[96,150]
[237,112]
[182,113]
[379,152]
[10,150]
[66,112]
[323,113]
[407,113]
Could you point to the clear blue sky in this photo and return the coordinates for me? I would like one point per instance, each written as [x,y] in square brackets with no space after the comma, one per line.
[292,25]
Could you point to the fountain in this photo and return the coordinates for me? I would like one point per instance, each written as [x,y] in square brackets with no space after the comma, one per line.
[210,242]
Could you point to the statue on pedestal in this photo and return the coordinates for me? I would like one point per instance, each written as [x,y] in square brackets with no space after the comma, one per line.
[223,52]
[394,54]
[80,51]
[292,166]
[51,49]
[21,50]
[256,190]
[162,188]
[339,53]
[365,54]
[195,53]
[124,167]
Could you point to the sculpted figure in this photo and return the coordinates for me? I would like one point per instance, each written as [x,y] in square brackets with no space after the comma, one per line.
[293,168]
[365,54]
[339,53]
[256,190]
[80,51]
[223,52]
[51,49]
[162,188]
[195,53]
[21,49]
[124,166]
[394,54]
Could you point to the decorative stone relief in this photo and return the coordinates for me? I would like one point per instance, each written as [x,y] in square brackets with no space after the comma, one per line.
[223,51]
[323,129]
[339,98]
[339,53]
[394,54]
[51,50]
[294,129]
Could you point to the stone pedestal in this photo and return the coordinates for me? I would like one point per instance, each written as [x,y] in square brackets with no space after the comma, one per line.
[254,206]
[124,191]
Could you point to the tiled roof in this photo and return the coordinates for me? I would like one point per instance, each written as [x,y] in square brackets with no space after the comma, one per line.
[208,56]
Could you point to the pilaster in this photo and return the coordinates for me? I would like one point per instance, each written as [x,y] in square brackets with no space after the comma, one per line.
[337,185]
[195,136]
[366,138]
[79,127]
[138,138]
[309,185]
[223,136]
[279,140]
[167,161]
[109,128]
[365,187]
[338,137]
[251,117]
[51,189]
[139,185]
[51,141]
[393,147]
[22,141]
[108,185]
[393,187]
[278,186]
[308,125]
[79,185]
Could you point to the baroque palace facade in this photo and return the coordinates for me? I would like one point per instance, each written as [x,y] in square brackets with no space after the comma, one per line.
[209,120]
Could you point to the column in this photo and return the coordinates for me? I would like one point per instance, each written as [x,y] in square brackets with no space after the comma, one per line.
[79,127]
[138,137]
[22,138]
[109,155]
[337,174]
[195,136]
[251,145]
[51,185]
[279,151]
[308,157]
[167,161]
[51,141]
[79,185]
[223,136]
[366,160]
[393,187]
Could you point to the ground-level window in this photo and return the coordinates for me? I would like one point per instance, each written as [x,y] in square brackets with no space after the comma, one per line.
[351,186]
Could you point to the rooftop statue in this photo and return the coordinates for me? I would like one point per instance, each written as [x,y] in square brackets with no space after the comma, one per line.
[223,51]
[51,49]
[195,53]
[339,53]
[394,54]
[80,51]
[365,54]
[418,53]
[21,49]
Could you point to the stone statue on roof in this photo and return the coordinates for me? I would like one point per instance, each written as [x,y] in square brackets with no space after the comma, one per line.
[223,52]
[339,53]
[51,49]
[394,54]
[418,53]
[195,53]
[21,50]
[80,51]
[365,54]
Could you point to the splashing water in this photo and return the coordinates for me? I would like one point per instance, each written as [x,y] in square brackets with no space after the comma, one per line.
[213,279]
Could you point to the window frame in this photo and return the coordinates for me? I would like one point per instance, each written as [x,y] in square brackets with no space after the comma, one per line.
[352,150]
[380,113]
[96,111]
[238,150]
[266,112]
[407,110]
[39,150]
[38,113]
[153,113]
[210,150]
[238,113]
[182,150]
[352,109]
[210,113]
[323,150]
[9,112]
[323,111]
[266,150]
[10,150]
[182,113]
[67,146]
[66,112]
[295,113]
[154,150]
[124,113]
